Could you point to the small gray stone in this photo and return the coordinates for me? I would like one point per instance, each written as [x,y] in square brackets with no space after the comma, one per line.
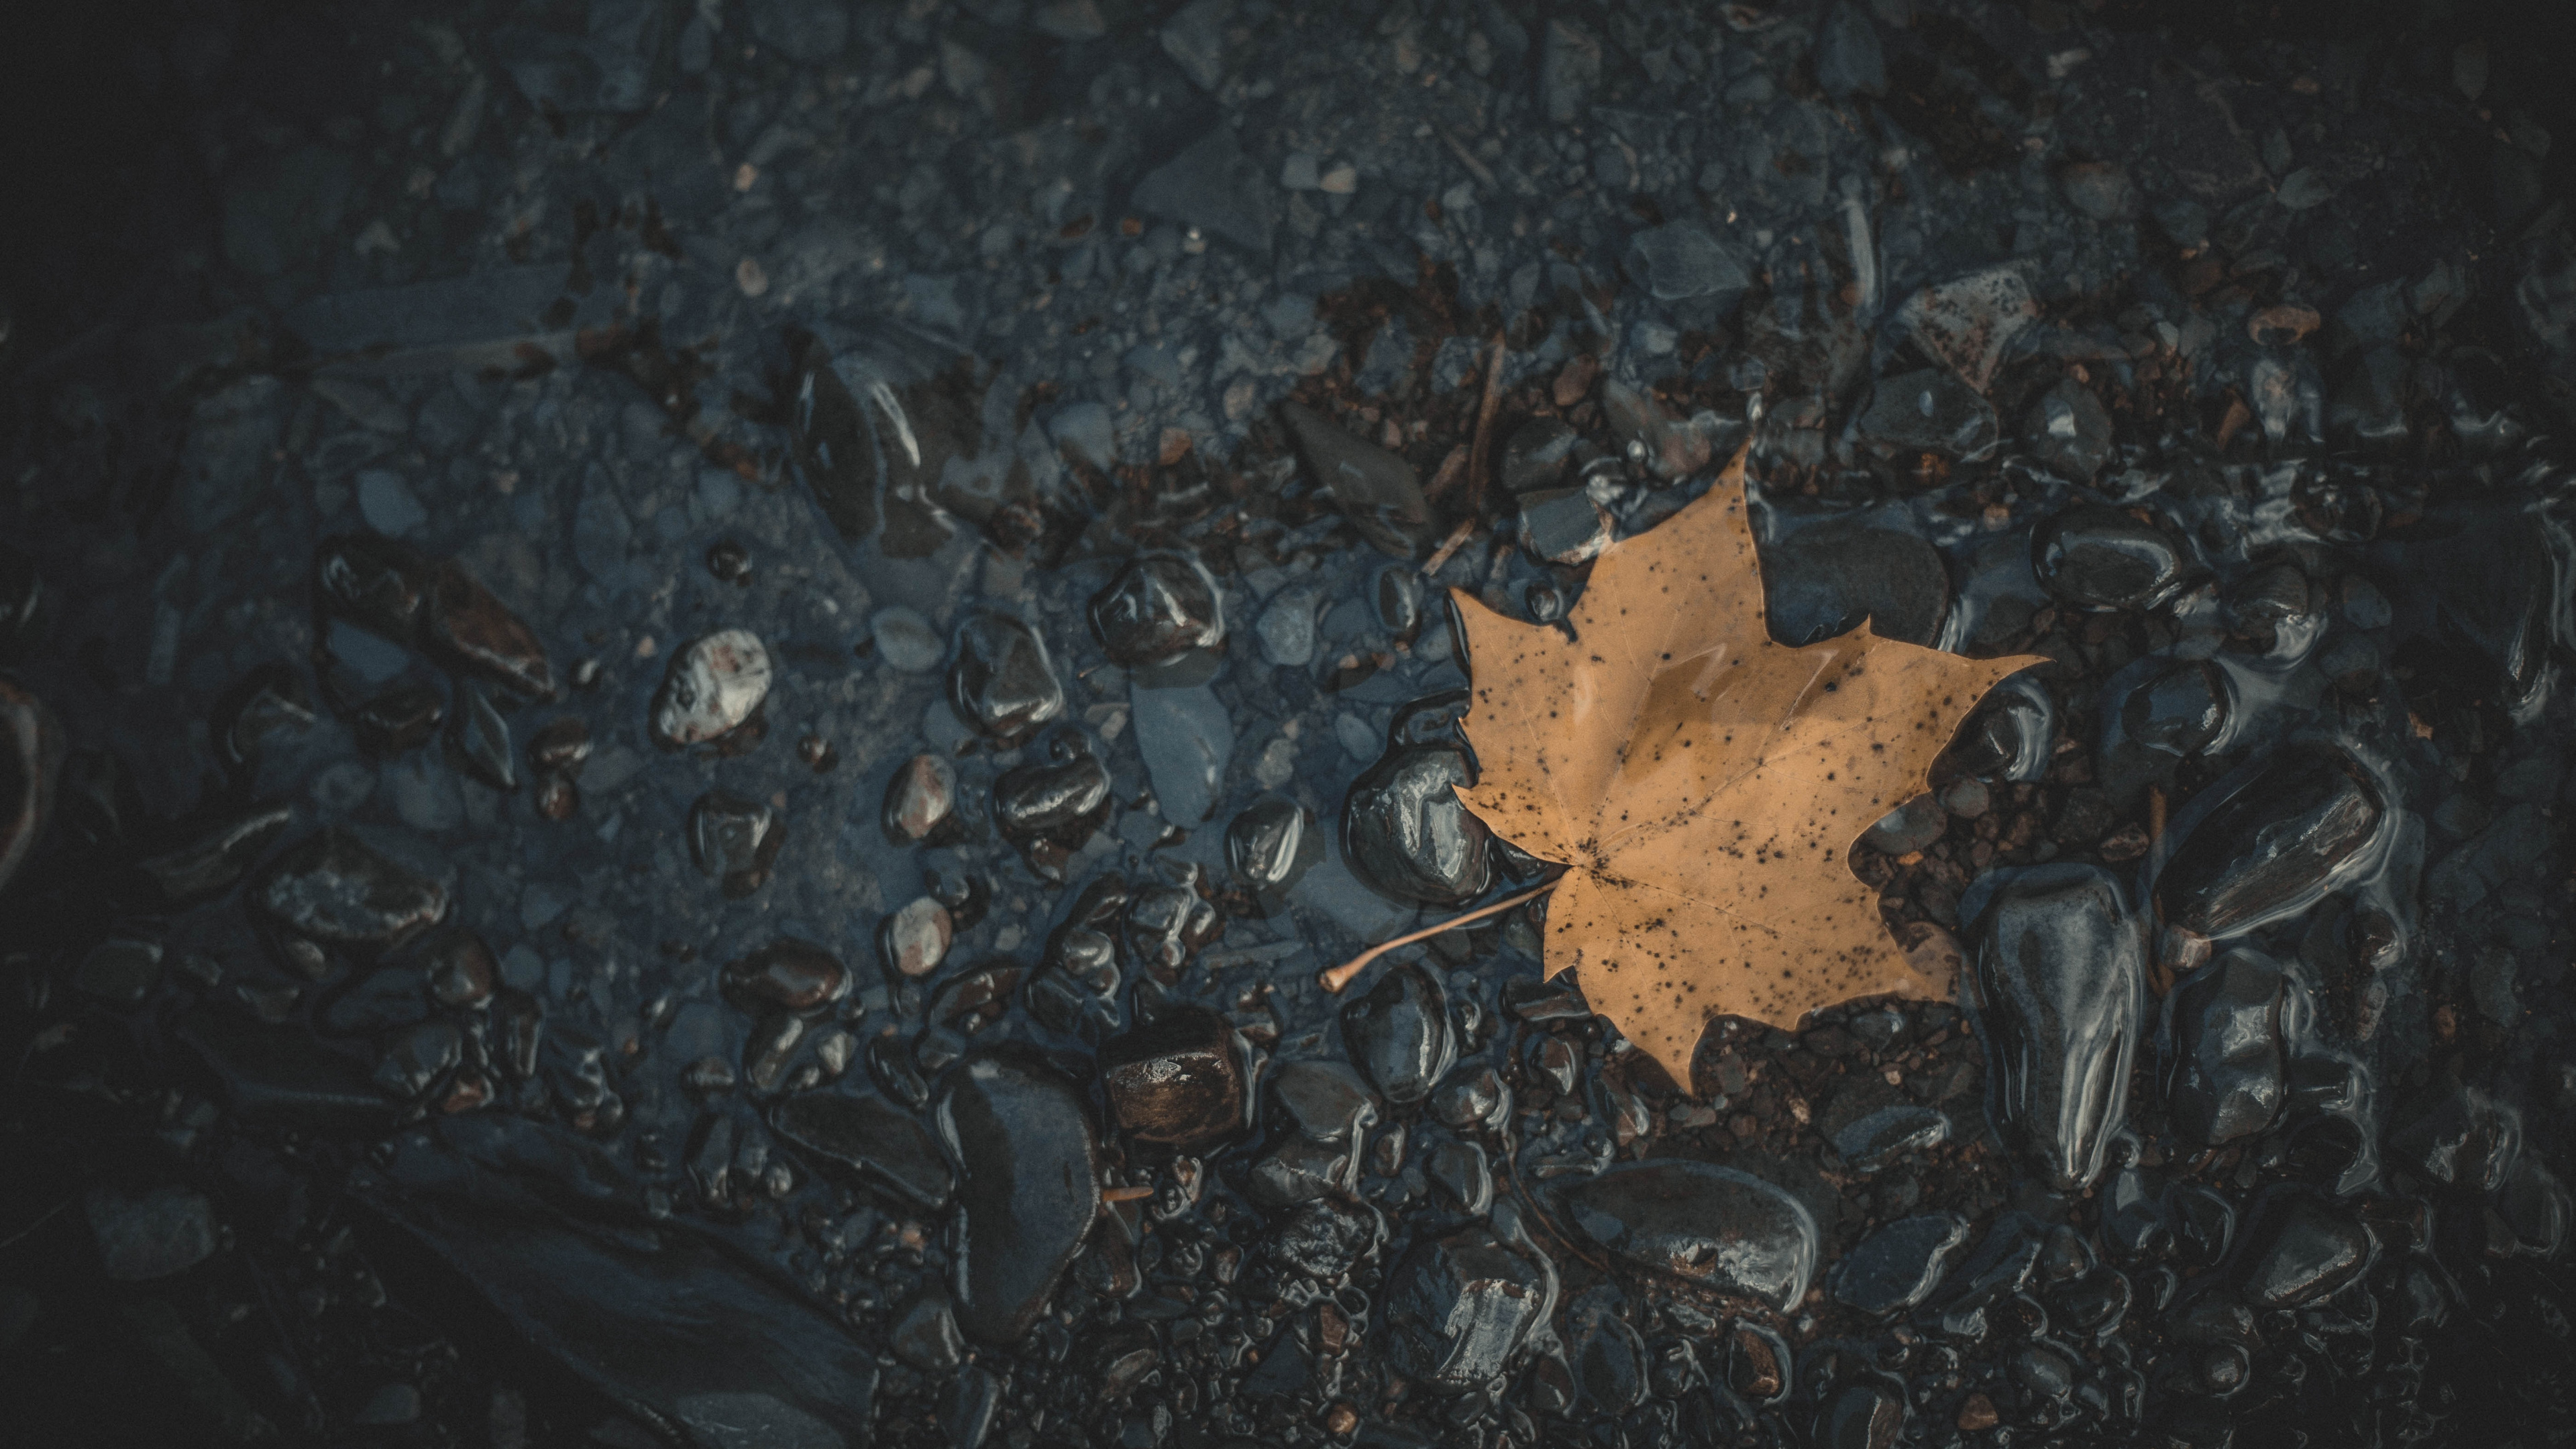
[1287,628]
[151,1234]
[905,640]
[387,503]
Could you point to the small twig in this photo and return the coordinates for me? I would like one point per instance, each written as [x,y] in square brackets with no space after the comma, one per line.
[1479,453]
[1126,1194]
[1468,159]
[1451,469]
[1340,976]
[2155,813]
[1449,546]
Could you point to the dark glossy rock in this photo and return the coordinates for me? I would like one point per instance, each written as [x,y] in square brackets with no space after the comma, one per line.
[478,738]
[786,975]
[870,1143]
[1461,1170]
[1377,490]
[1166,924]
[921,803]
[2536,1208]
[1159,607]
[2069,431]
[2181,711]
[1460,1307]
[373,582]
[411,1059]
[334,890]
[924,1333]
[31,763]
[399,718]
[2204,1223]
[1301,1171]
[270,699]
[2274,609]
[1270,845]
[1052,797]
[1758,1364]
[1898,1265]
[670,1327]
[1563,525]
[151,1234]
[213,851]
[458,966]
[1609,1356]
[1929,411]
[561,747]
[1177,1080]
[1711,1226]
[1406,833]
[1473,1101]
[1399,1034]
[2461,1138]
[1030,1187]
[2010,737]
[1874,1139]
[912,941]
[1825,580]
[734,841]
[2060,975]
[714,687]
[1323,1238]
[1536,454]
[468,629]
[1187,740]
[1323,1101]
[1864,1415]
[2224,1067]
[1002,683]
[2297,1248]
[2097,557]
[2274,847]
[518,1032]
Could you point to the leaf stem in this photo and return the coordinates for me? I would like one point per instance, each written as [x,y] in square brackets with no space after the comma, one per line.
[1340,976]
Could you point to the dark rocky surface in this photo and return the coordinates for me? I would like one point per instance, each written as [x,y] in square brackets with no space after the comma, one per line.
[693,685]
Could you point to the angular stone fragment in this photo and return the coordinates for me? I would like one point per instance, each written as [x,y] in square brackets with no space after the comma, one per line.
[468,628]
[335,890]
[1377,490]
[1030,1189]
[2060,975]
[871,1142]
[1177,1080]
[1460,1305]
[1711,1226]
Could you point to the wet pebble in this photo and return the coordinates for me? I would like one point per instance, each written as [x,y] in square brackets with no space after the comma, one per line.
[786,975]
[2462,1138]
[1322,1238]
[2060,975]
[269,700]
[921,802]
[1460,1306]
[914,940]
[1029,1185]
[1187,740]
[479,739]
[1286,627]
[213,851]
[924,1333]
[1176,1081]
[1377,490]
[1864,1415]
[2069,431]
[1323,1101]
[1269,846]
[1875,1139]
[335,891]
[1462,1170]
[2298,1248]
[2225,1072]
[412,1058]
[1563,525]
[2181,711]
[373,582]
[1537,453]
[31,761]
[734,841]
[1897,1265]
[712,687]
[1159,607]
[2274,847]
[2098,557]
[1406,832]
[468,629]
[1399,1034]
[1002,682]
[1929,411]
[905,640]
[1715,1227]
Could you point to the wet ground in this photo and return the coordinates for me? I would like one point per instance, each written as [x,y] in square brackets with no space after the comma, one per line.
[693,689]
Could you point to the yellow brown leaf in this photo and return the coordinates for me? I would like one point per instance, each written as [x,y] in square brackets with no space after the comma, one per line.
[1704,784]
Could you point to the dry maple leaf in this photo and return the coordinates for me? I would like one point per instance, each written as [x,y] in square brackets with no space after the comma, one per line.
[1704,784]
